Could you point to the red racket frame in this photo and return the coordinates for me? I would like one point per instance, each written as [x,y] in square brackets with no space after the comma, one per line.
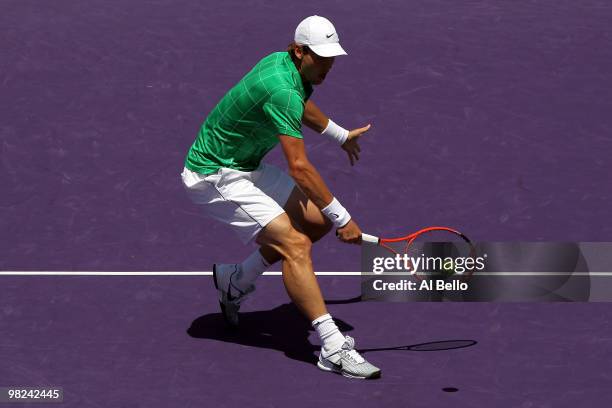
[410,238]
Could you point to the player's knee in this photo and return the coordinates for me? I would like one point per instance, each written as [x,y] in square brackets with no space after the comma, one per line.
[297,246]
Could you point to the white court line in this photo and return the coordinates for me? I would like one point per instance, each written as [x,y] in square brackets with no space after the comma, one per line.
[507,274]
[144,273]
[209,273]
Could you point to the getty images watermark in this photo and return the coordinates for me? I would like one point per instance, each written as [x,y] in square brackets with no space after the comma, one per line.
[427,273]
[489,272]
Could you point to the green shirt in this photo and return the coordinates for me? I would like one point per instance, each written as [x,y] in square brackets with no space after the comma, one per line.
[245,124]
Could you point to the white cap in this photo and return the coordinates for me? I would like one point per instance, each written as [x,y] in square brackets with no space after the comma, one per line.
[319,34]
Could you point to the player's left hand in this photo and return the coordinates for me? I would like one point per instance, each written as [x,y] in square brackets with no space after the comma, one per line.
[351,147]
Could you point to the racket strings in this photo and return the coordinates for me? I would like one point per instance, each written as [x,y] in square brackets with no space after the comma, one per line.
[435,236]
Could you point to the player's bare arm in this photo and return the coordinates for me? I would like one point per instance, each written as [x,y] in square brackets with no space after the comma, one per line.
[316,120]
[311,183]
[303,172]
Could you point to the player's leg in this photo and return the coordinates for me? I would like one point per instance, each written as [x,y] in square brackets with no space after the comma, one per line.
[305,217]
[299,278]
[298,275]
[338,353]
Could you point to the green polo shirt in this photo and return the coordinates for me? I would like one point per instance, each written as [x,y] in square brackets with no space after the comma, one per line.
[245,124]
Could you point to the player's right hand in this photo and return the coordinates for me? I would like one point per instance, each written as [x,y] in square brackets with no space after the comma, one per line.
[350,233]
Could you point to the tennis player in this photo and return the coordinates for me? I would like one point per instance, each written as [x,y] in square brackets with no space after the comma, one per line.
[283,213]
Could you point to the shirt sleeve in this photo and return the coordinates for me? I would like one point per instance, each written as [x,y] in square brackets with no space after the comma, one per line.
[285,109]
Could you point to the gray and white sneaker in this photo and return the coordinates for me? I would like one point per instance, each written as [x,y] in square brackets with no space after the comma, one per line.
[230,296]
[348,362]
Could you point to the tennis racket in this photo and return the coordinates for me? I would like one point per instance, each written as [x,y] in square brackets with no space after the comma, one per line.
[433,252]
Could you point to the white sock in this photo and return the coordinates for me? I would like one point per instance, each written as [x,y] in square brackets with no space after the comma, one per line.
[327,330]
[250,269]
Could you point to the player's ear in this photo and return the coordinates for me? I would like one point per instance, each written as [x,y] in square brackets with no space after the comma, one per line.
[295,51]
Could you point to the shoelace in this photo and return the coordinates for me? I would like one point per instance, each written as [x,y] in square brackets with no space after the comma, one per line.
[349,350]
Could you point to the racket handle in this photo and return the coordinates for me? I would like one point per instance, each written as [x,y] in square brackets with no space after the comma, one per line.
[369,238]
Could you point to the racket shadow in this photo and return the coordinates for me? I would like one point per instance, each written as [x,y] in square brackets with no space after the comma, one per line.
[283,329]
[441,345]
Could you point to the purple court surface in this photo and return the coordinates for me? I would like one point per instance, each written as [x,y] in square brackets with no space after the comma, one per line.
[490,116]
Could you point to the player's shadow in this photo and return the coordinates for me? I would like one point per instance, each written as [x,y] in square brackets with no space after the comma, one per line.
[282,328]
[285,329]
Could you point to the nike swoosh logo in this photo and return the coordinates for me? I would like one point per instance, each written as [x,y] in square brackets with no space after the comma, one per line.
[330,35]
[335,215]
[335,366]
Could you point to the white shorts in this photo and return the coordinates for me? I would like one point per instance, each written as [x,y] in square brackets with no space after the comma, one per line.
[247,201]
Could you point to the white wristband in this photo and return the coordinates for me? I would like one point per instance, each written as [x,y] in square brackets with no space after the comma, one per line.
[338,133]
[337,213]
